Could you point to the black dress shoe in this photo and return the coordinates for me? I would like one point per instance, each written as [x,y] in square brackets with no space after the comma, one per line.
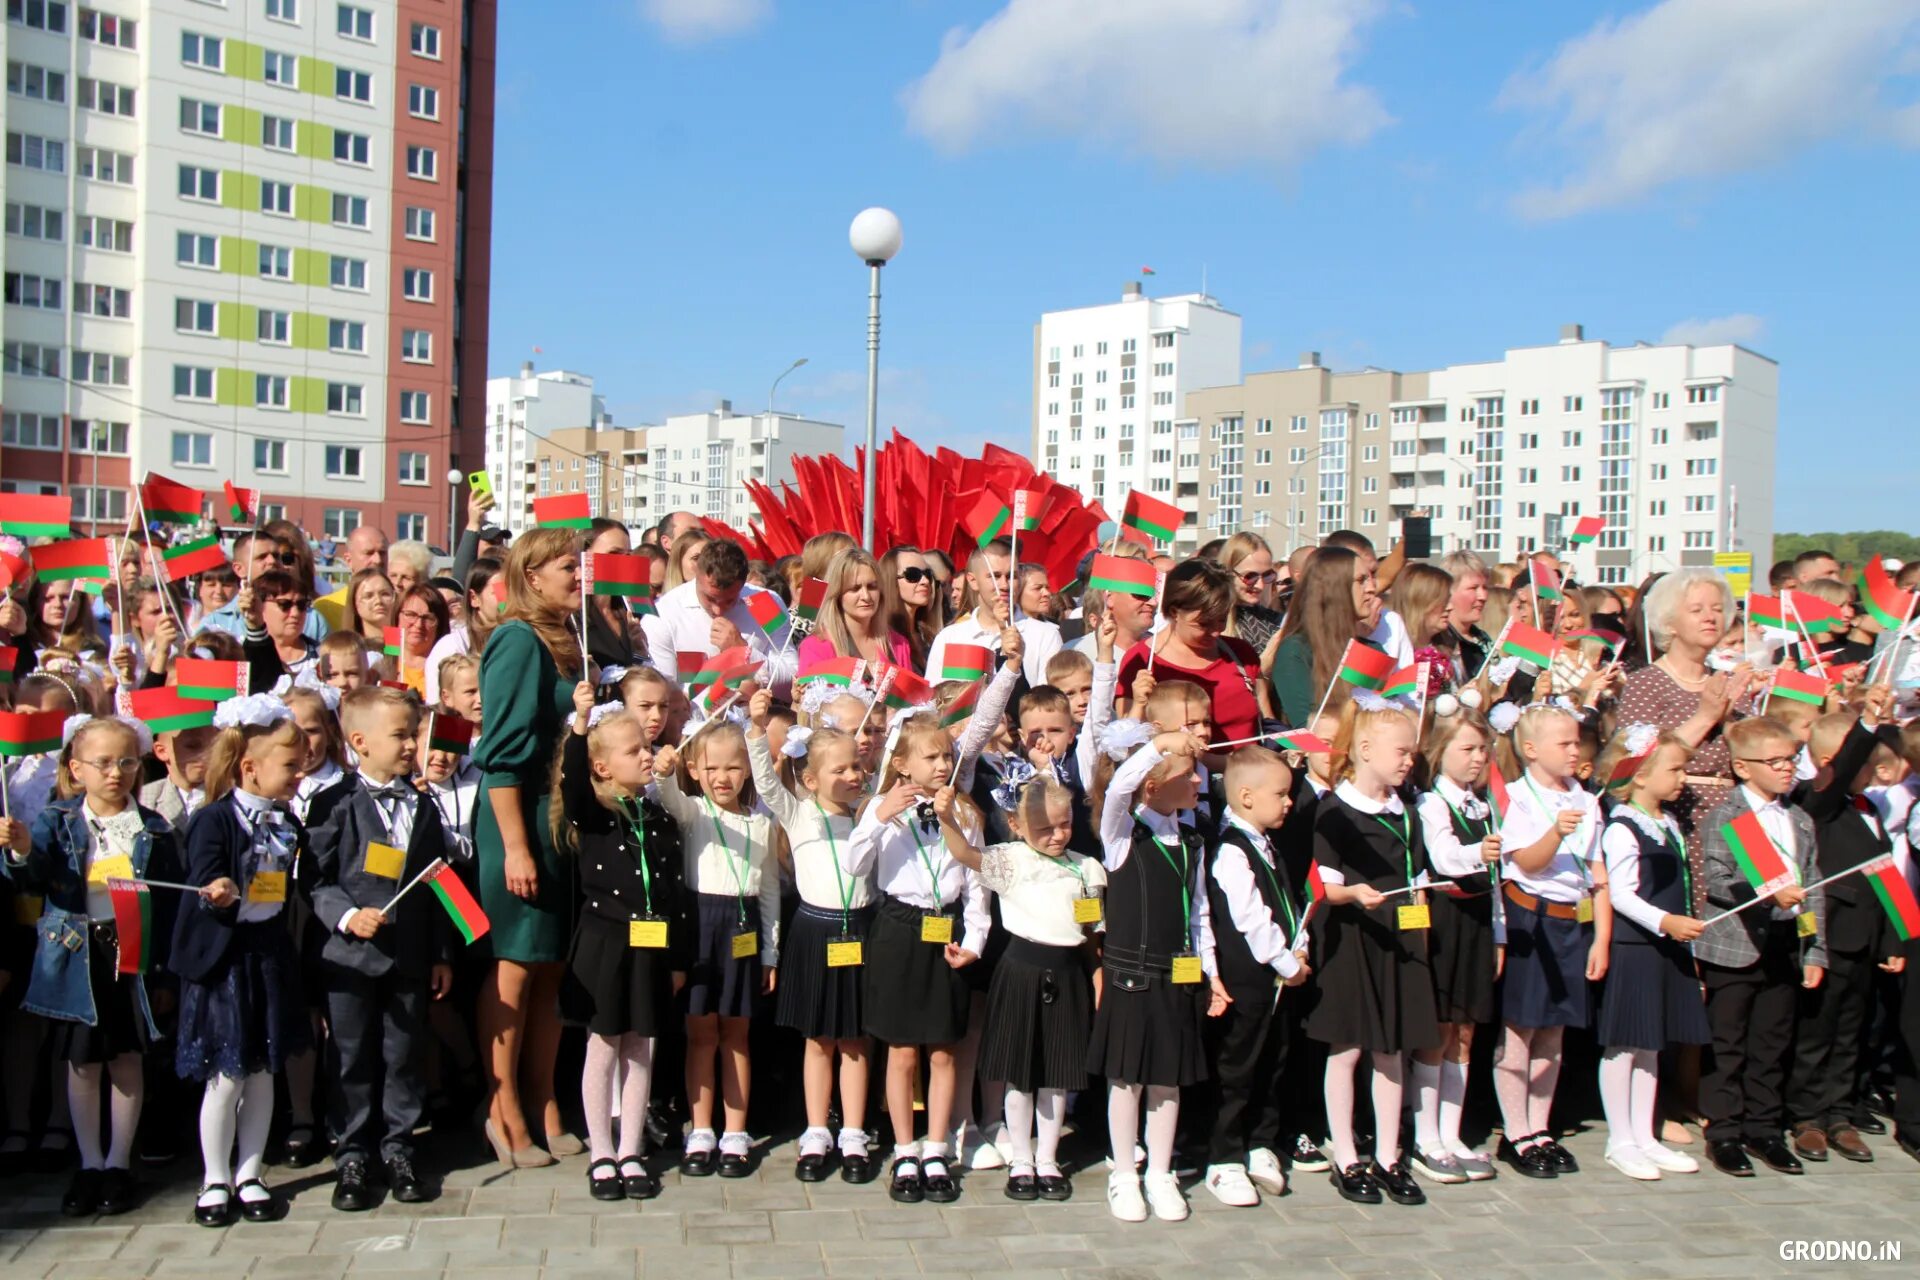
[117,1192]
[1877,1100]
[83,1194]
[857,1167]
[1561,1158]
[1356,1184]
[937,1181]
[697,1164]
[1055,1186]
[1398,1183]
[661,1131]
[1729,1158]
[407,1185]
[1023,1186]
[609,1187]
[1867,1122]
[1776,1155]
[351,1191]
[904,1182]
[266,1208]
[304,1146]
[1907,1144]
[735,1165]
[812,1167]
[218,1214]
[1532,1162]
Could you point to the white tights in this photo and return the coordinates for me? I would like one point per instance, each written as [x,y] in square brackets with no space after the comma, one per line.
[1389,1083]
[605,1055]
[83,1099]
[1050,1106]
[1628,1085]
[242,1109]
[1123,1124]
[1525,1074]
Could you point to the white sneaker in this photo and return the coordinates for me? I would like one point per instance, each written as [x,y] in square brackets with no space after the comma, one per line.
[981,1152]
[1123,1197]
[1264,1171]
[1631,1162]
[1668,1160]
[1163,1193]
[1229,1185]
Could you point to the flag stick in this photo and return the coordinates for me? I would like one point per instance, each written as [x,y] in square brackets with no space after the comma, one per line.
[723,708]
[1492,649]
[1886,672]
[1325,697]
[157,884]
[1013,557]
[431,866]
[6,802]
[1754,902]
[1813,650]
[879,696]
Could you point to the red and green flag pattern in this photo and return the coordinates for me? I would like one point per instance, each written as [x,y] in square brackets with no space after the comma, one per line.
[167,710]
[961,707]
[133,924]
[30,733]
[1157,519]
[184,559]
[1365,666]
[688,664]
[1407,682]
[1529,644]
[734,664]
[34,515]
[986,519]
[732,677]
[13,570]
[1497,798]
[764,608]
[1124,574]
[1896,896]
[449,732]
[965,662]
[1316,887]
[1799,686]
[1887,604]
[616,573]
[1623,773]
[901,688]
[1304,743]
[392,641]
[1544,577]
[167,502]
[9,657]
[210,679]
[813,594]
[1028,506]
[467,916]
[241,503]
[563,511]
[1756,855]
[1586,529]
[1611,639]
[840,671]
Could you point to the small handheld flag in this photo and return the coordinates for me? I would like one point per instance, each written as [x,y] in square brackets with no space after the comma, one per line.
[1123,574]
[184,559]
[733,664]
[906,689]
[1586,529]
[467,916]
[1497,798]
[1896,896]
[965,662]
[210,679]
[31,515]
[449,732]
[961,707]
[1157,519]
[168,710]
[838,671]
[986,519]
[764,608]
[9,658]
[241,503]
[1364,666]
[813,594]
[1529,644]
[1887,604]
[391,641]
[688,664]
[614,573]
[1305,743]
[1544,576]
[132,925]
[1799,686]
[563,511]
[1028,506]
[30,733]
[166,502]
[1403,683]
[1756,855]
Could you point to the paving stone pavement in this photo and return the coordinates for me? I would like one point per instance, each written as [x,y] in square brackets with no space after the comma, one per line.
[492,1224]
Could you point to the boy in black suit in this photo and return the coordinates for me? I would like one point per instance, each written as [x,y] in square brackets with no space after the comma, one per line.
[379,968]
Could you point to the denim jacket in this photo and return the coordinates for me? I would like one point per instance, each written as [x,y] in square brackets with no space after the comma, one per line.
[61,985]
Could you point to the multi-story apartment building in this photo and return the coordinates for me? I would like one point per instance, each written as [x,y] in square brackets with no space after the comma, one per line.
[698,461]
[521,412]
[1674,445]
[1108,385]
[247,241]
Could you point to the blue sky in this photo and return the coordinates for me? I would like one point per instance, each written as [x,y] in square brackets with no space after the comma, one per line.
[1400,184]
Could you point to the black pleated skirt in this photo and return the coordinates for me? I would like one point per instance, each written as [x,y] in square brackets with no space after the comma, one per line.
[1148,1030]
[979,975]
[913,996]
[1462,957]
[818,1002]
[611,988]
[1651,998]
[118,1026]
[1039,1017]
[718,983]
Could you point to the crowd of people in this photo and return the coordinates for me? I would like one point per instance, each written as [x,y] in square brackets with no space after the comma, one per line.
[939,845]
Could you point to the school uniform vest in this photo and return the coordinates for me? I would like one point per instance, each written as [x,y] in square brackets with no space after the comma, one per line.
[1145,925]
[1084,838]
[1233,959]
[993,819]
[1661,885]
[1470,831]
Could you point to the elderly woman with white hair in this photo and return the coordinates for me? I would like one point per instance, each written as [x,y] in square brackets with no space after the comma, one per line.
[407,565]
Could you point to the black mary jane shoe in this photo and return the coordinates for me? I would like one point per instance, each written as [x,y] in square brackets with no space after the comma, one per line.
[858,1168]
[609,1187]
[218,1214]
[1398,1183]
[1355,1183]
[117,1193]
[939,1183]
[1532,1162]
[636,1181]
[697,1164]
[1561,1158]
[813,1167]
[735,1165]
[1055,1187]
[1023,1186]
[904,1182]
[269,1209]
[83,1194]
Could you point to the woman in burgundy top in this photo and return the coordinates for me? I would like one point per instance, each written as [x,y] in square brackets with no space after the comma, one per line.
[1198,598]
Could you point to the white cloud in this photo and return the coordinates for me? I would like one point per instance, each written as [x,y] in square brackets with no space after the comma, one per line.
[689,21]
[1742,327]
[1215,83]
[1692,89]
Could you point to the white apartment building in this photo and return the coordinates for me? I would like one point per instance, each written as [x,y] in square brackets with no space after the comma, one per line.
[698,461]
[1109,383]
[521,411]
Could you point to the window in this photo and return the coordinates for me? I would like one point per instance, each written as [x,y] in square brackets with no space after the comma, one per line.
[276,262]
[423,163]
[99,437]
[348,398]
[338,522]
[1528,408]
[413,468]
[193,448]
[1370,484]
[1569,439]
[30,430]
[269,391]
[199,184]
[107,29]
[1698,540]
[195,315]
[1658,471]
[343,462]
[423,101]
[24,80]
[270,455]
[1704,395]
[1373,422]
[352,86]
[349,211]
[1698,502]
[103,301]
[276,197]
[1526,475]
[30,151]
[1662,400]
[107,98]
[200,117]
[40,292]
[411,524]
[1703,466]
[1529,439]
[347,335]
[280,68]
[1570,475]
[1659,435]
[34,223]
[415,407]
[352,148]
[102,165]
[354,22]
[416,346]
[276,133]
[197,50]
[426,40]
[419,224]
[191,250]
[1297,454]
[109,235]
[1658,507]
[191,382]
[275,328]
[1570,404]
[41,15]
[1703,431]
[416,284]
[347,273]
[1370,454]
[284,10]
[30,360]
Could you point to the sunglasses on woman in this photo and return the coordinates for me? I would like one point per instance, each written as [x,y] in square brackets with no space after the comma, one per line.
[916,574]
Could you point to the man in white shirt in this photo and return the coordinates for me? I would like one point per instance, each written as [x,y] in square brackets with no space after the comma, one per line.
[709,615]
[987,571]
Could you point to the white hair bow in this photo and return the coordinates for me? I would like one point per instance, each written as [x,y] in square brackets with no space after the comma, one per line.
[1639,738]
[795,746]
[255,711]
[1121,738]
[602,711]
[1504,716]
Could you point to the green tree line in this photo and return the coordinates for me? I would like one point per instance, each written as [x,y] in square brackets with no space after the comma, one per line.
[1848,548]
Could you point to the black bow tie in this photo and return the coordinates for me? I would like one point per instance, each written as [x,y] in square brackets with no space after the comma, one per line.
[397,791]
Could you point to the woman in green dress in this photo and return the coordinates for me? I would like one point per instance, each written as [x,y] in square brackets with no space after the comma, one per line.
[528,671]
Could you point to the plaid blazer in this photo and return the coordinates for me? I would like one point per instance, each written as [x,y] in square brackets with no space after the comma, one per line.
[1735,943]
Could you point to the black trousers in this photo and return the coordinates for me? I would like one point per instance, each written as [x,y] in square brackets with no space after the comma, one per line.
[1248,1046]
[380,1029]
[1303,1076]
[1751,1012]
[1906,1058]
[1821,1088]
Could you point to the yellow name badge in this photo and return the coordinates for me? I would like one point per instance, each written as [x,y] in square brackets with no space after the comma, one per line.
[651,934]
[1583,912]
[1415,915]
[267,887]
[936,929]
[844,955]
[1086,911]
[101,870]
[746,945]
[27,909]
[385,861]
[1186,969]
[1805,925]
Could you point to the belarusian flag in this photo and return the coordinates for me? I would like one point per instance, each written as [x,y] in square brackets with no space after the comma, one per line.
[9,657]
[961,707]
[184,559]
[1768,611]
[468,918]
[133,923]
[1885,603]
[813,594]
[391,641]
[1611,639]
[1316,887]
[1624,770]
[1544,576]
[167,710]
[688,665]
[1799,686]
[166,502]
[74,558]
[563,511]
[13,570]
[241,503]
[764,608]
[840,671]
[986,519]
[965,661]
[1364,666]
[34,515]
[1816,616]
[1403,683]
[1497,798]
[449,732]
[1529,644]
[1756,855]
[210,679]
[732,677]
[1896,896]
[1124,574]
[1028,506]
[1304,743]
[725,665]
[30,733]
[1151,516]
[615,573]
[905,689]
[1586,529]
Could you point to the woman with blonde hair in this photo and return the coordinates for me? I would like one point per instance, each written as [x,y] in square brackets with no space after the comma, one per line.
[852,623]
[817,556]
[1250,560]
[681,555]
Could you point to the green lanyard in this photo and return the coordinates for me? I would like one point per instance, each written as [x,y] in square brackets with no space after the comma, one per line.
[1466,823]
[637,824]
[926,860]
[1579,863]
[1404,834]
[839,878]
[746,858]
[1678,843]
[1064,858]
[1183,869]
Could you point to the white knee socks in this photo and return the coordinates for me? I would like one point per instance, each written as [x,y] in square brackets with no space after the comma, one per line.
[1426,1107]
[1453,1102]
[1163,1121]
[129,1079]
[1389,1086]
[1123,1124]
[596,1094]
[1052,1113]
[1339,1091]
[1019,1109]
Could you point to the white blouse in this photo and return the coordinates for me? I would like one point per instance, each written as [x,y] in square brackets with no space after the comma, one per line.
[912,864]
[733,858]
[1266,937]
[1037,892]
[1531,811]
[1621,850]
[1116,840]
[821,843]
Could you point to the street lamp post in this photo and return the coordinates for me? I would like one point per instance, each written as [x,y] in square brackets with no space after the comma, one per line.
[875,237]
[782,378]
[453,506]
